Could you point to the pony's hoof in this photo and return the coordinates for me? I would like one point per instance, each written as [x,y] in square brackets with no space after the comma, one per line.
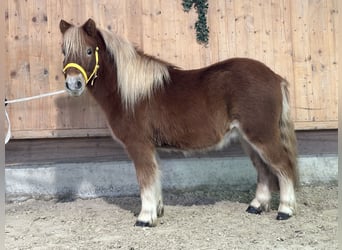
[283,216]
[253,210]
[142,224]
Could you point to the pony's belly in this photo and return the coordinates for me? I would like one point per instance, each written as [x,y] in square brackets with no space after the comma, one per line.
[231,136]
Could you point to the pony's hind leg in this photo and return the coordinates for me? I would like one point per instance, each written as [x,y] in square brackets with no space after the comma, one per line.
[266,182]
[283,165]
[287,206]
[150,186]
[281,173]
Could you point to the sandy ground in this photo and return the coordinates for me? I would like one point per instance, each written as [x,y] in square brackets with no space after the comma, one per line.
[196,219]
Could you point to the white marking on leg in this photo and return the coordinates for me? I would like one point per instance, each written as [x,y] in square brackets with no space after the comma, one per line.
[287,196]
[151,201]
[148,212]
[262,197]
[158,189]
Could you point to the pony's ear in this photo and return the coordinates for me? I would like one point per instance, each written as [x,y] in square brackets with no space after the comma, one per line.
[64,26]
[90,27]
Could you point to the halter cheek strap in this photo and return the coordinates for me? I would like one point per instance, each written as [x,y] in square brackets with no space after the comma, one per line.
[83,72]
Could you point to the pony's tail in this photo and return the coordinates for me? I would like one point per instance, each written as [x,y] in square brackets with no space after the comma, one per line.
[288,136]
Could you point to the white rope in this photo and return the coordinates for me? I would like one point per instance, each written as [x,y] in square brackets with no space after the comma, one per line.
[8,135]
[35,97]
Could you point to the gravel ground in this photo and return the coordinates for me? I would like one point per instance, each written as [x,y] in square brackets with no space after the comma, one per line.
[194,219]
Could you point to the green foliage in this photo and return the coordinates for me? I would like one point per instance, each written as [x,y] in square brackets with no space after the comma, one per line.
[201,26]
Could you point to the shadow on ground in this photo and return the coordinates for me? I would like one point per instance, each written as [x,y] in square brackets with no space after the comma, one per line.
[192,197]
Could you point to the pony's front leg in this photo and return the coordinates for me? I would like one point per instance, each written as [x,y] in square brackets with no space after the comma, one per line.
[151,204]
[150,186]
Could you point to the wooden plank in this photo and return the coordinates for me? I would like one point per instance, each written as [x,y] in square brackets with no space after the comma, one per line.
[258,30]
[133,21]
[301,58]
[86,132]
[332,67]
[53,50]
[241,8]
[316,87]
[147,24]
[221,29]
[267,38]
[166,32]
[183,38]
[288,72]
[196,55]
[231,31]
[100,149]
[19,65]
[60,133]
[316,125]
[38,61]
[282,41]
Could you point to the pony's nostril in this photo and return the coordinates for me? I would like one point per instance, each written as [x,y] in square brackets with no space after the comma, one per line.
[79,84]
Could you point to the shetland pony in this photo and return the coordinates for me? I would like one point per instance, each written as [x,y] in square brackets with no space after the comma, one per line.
[152,104]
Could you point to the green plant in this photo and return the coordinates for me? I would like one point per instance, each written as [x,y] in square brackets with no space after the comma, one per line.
[201,26]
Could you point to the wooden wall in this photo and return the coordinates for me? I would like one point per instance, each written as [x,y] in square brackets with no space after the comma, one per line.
[295,38]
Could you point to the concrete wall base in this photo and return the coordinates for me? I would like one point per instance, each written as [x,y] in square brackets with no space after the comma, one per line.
[118,178]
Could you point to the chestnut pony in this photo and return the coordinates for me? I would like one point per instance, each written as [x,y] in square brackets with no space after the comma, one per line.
[152,104]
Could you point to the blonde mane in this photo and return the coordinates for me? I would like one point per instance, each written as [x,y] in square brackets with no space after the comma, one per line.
[73,43]
[137,75]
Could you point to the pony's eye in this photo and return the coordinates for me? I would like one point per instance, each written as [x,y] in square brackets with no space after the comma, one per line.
[89,51]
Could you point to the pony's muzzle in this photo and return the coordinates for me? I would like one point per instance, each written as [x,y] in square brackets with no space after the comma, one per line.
[75,84]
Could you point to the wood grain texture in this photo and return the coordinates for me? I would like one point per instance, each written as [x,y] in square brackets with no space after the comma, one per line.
[297,39]
[101,149]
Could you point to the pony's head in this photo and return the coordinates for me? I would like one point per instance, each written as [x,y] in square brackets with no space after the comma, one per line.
[81,60]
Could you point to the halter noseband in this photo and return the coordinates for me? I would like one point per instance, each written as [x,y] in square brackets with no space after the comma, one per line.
[83,72]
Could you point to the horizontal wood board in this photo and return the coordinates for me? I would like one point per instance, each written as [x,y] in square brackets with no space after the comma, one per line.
[105,149]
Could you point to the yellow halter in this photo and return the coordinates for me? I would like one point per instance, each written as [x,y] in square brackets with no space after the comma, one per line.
[83,72]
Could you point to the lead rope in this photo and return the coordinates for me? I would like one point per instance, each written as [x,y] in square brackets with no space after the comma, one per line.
[8,135]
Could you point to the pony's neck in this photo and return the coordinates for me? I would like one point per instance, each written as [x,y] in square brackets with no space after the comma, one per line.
[105,88]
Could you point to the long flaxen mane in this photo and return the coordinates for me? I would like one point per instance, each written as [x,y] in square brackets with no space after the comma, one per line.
[138,75]
[73,43]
